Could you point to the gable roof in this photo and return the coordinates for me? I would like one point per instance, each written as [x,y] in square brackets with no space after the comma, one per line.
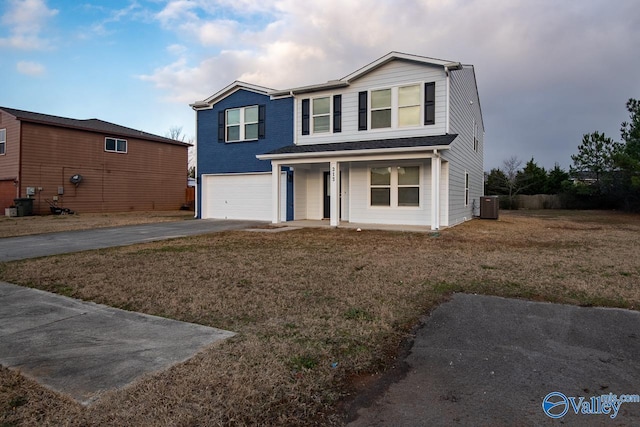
[427,142]
[90,125]
[232,88]
[347,80]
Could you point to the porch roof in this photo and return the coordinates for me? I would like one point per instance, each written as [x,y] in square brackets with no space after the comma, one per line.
[437,141]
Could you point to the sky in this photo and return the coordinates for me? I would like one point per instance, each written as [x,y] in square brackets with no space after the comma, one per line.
[548,71]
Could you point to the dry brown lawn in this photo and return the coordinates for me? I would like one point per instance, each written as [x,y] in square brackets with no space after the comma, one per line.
[22,226]
[314,308]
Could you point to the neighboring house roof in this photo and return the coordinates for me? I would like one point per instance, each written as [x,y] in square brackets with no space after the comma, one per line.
[345,81]
[430,142]
[232,88]
[91,125]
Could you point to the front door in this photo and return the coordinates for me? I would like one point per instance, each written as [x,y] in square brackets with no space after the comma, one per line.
[326,196]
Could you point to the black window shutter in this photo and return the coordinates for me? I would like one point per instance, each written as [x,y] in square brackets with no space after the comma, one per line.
[362,110]
[261,126]
[305,116]
[221,126]
[337,113]
[429,103]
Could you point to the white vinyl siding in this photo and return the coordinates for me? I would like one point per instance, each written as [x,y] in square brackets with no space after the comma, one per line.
[465,117]
[394,74]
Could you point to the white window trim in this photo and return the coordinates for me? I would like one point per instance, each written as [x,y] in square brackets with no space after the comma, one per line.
[3,141]
[312,116]
[393,201]
[241,124]
[395,106]
[116,150]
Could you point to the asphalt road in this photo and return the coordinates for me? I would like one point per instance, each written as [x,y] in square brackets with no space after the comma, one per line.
[16,248]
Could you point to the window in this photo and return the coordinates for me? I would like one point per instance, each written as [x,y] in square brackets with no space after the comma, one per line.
[397,107]
[475,135]
[317,114]
[409,106]
[321,114]
[466,189]
[381,186]
[115,145]
[381,109]
[242,124]
[409,186]
[3,141]
[397,186]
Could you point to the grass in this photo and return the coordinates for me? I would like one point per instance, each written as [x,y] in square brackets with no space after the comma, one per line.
[314,309]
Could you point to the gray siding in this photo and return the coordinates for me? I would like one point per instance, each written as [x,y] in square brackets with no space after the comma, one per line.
[465,109]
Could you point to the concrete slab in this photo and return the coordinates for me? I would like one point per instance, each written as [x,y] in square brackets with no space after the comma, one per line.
[82,349]
[486,361]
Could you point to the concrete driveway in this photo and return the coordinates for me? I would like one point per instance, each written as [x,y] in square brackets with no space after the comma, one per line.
[15,248]
[489,361]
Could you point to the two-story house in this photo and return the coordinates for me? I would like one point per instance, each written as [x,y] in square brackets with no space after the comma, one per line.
[399,141]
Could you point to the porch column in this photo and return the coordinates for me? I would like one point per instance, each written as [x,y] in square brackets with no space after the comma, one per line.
[275,192]
[334,178]
[435,191]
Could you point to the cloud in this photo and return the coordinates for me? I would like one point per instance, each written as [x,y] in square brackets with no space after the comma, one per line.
[30,68]
[546,71]
[26,19]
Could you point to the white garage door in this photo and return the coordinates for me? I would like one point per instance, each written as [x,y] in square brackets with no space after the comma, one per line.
[241,196]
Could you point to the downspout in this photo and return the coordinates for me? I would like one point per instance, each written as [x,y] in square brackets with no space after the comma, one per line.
[448,94]
[19,186]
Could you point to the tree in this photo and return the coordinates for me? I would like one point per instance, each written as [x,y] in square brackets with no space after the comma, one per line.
[555,179]
[510,169]
[628,159]
[175,133]
[496,183]
[595,160]
[532,179]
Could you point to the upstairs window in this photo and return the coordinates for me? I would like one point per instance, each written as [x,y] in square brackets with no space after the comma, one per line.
[409,106]
[242,124]
[321,114]
[115,145]
[381,109]
[3,141]
[397,107]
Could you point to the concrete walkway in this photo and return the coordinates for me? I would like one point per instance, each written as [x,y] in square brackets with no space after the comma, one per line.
[16,248]
[489,361]
[82,349]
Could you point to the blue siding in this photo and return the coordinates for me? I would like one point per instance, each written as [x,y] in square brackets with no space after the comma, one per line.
[236,157]
[216,156]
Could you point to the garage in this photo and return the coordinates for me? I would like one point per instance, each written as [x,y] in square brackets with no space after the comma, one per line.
[242,196]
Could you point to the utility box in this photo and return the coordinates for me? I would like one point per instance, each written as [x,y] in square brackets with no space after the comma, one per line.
[24,206]
[489,206]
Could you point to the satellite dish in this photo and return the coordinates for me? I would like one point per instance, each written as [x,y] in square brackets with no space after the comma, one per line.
[76,179]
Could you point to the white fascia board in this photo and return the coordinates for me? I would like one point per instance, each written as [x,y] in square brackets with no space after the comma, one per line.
[332,84]
[229,90]
[345,155]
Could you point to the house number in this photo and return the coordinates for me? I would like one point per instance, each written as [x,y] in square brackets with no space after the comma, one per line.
[333,174]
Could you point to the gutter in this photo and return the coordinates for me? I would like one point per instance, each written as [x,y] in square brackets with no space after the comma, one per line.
[343,153]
